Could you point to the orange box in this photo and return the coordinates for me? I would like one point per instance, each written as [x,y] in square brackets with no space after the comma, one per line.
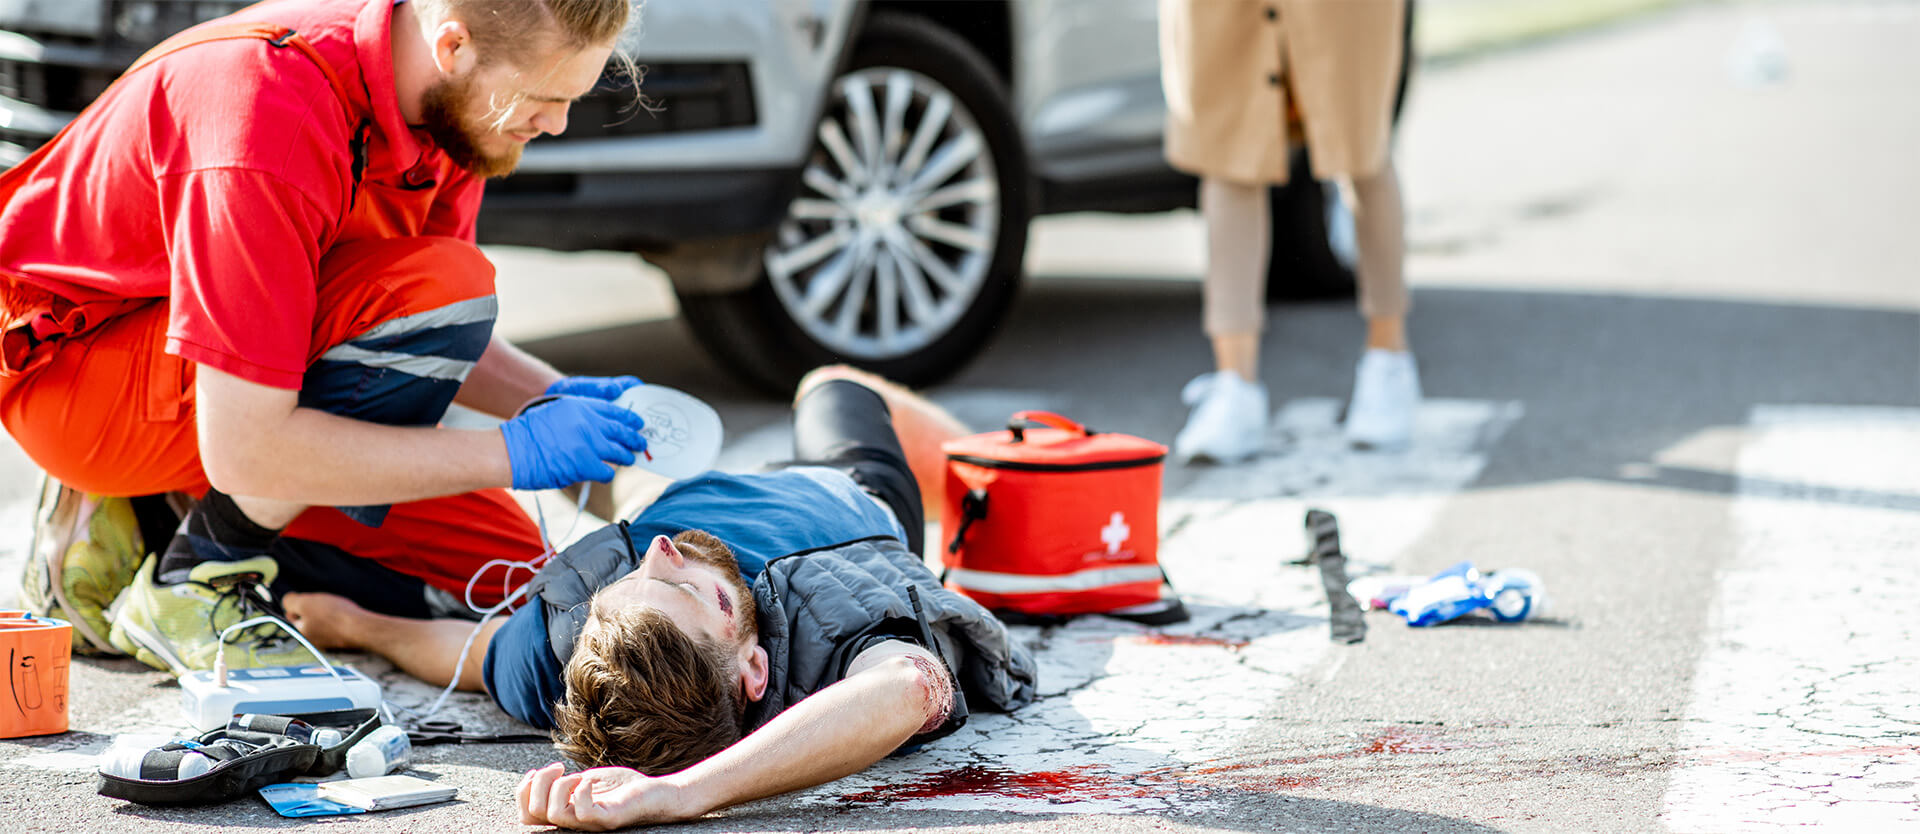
[37,651]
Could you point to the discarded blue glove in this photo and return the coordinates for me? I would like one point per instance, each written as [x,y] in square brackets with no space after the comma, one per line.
[1509,595]
[607,388]
[569,439]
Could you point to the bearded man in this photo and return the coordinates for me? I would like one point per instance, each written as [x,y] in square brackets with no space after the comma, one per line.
[247,274]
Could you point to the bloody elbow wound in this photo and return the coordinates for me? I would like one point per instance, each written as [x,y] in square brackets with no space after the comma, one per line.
[936,687]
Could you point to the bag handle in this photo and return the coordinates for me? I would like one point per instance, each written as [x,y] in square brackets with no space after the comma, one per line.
[1023,420]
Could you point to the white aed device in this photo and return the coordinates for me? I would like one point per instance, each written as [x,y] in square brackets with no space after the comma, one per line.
[279,690]
[683,434]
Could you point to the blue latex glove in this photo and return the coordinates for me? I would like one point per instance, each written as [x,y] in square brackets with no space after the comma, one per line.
[607,388]
[567,440]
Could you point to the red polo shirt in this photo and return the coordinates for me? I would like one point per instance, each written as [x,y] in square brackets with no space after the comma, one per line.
[217,177]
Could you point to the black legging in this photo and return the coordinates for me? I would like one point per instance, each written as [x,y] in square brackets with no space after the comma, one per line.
[844,425]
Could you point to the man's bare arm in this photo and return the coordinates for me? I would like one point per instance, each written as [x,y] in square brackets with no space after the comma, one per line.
[426,649]
[838,731]
[256,441]
[504,379]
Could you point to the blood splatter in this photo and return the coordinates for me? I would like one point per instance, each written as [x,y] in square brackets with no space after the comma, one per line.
[1074,784]
[1405,740]
[1157,639]
[1271,784]
[1237,775]
[1094,782]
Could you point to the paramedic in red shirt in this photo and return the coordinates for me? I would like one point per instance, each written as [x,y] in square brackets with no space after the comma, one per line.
[247,273]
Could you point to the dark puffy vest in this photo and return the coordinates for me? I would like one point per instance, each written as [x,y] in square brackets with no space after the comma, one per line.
[817,608]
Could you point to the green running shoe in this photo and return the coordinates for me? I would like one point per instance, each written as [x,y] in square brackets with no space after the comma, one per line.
[177,627]
[84,552]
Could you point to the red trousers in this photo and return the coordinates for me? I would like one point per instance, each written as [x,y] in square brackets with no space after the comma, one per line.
[110,412]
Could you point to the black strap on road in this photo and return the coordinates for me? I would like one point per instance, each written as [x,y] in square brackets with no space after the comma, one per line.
[1346,621]
[429,733]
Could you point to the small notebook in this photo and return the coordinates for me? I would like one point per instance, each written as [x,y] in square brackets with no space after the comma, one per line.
[380,793]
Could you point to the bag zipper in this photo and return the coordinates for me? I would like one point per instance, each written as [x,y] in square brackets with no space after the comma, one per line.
[1020,466]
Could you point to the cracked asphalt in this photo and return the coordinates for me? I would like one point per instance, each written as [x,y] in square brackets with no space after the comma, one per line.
[1671,341]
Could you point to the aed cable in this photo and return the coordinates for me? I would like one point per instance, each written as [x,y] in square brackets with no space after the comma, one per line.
[510,596]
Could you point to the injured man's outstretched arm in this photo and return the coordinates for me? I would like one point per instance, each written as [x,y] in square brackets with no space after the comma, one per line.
[894,691]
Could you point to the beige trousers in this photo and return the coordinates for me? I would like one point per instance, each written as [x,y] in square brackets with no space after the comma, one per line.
[1239,239]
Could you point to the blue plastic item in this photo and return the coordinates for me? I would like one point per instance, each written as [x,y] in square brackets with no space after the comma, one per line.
[1508,595]
[303,799]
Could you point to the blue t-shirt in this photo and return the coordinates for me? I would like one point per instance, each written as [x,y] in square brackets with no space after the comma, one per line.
[760,516]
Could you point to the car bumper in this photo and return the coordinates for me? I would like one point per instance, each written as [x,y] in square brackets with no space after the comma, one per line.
[633,211]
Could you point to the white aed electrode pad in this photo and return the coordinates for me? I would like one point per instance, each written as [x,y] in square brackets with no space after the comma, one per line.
[683,434]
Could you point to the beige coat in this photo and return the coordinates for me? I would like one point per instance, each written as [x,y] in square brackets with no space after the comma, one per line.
[1221,66]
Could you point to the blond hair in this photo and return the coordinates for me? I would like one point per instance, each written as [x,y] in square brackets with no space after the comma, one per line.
[514,27]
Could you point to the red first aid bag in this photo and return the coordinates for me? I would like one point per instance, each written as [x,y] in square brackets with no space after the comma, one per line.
[1048,518]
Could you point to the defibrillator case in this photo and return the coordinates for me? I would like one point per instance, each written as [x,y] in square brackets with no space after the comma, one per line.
[273,757]
[1050,519]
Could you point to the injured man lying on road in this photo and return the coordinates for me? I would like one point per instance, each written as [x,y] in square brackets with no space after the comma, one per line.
[743,635]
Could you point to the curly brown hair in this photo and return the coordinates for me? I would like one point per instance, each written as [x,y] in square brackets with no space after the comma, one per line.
[642,694]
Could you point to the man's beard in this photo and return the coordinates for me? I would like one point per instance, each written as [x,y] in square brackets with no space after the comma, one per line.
[459,136]
[702,547]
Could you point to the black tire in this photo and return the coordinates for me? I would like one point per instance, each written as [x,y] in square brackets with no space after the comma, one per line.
[1303,266]
[754,333]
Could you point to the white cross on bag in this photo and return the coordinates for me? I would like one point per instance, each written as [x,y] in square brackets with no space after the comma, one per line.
[1115,533]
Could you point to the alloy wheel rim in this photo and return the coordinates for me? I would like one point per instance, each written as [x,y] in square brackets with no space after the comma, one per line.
[893,233]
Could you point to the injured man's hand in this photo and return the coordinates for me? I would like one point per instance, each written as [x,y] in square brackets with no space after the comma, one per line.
[600,799]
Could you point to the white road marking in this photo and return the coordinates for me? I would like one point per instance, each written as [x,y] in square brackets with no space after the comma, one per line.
[1806,702]
[1847,12]
[1123,716]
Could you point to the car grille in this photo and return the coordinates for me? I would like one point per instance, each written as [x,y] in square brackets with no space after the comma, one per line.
[679,97]
[64,89]
[23,141]
[534,184]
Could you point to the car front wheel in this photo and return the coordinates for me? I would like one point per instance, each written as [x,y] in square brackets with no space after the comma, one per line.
[903,247]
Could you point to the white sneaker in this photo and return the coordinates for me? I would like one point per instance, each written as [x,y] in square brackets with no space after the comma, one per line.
[1229,419]
[1386,393]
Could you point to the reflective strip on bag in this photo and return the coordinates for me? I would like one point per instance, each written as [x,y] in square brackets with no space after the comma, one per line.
[1020,583]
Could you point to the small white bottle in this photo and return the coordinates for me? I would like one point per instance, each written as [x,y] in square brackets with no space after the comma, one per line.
[383,751]
[130,763]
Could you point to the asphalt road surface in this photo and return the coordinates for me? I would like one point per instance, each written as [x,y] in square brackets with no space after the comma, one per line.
[1669,328]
